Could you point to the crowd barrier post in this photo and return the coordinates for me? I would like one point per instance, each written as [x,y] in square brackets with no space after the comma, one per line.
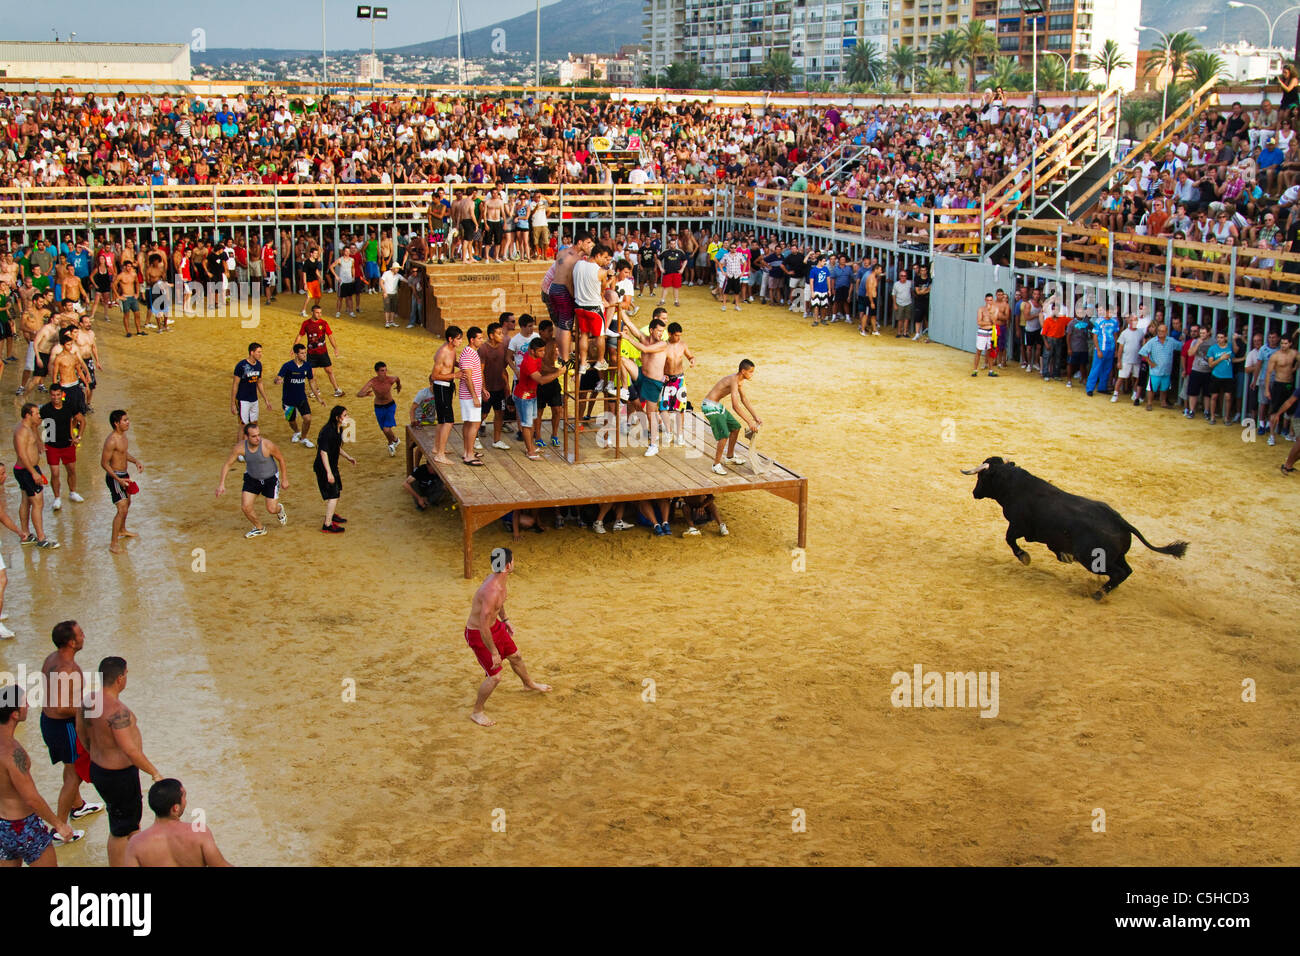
[1232,282]
[931,233]
[1169,266]
[153,217]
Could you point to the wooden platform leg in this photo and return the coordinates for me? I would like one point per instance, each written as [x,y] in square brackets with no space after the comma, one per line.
[410,450]
[803,514]
[469,542]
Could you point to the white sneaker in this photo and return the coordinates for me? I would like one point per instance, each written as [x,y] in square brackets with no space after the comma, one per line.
[734,461]
[59,841]
[737,308]
[307,444]
[303,314]
[602,366]
[719,470]
[691,532]
[722,529]
[680,441]
[76,497]
[875,333]
[58,503]
[336,315]
[1115,397]
[621,525]
[1069,384]
[255,533]
[5,633]
[282,515]
[478,444]
[297,437]
[623,394]
[501,445]
[392,448]
[1272,439]
[598,527]
[652,451]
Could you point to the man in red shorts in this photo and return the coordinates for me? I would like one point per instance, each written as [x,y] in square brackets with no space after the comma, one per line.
[589,282]
[492,643]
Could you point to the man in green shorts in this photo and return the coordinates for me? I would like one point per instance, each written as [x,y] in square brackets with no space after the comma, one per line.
[725,425]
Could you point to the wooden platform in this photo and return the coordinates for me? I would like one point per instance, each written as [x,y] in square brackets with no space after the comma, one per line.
[509,481]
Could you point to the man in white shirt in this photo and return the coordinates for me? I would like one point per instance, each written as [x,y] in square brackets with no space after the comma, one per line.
[389,283]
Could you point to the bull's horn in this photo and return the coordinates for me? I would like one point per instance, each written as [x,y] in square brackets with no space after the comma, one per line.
[975,471]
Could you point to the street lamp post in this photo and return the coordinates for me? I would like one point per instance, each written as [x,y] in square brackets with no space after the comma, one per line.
[1272,24]
[1164,102]
[372,14]
[1034,9]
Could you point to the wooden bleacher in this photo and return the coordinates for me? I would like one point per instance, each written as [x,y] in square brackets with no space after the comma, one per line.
[508,481]
[476,293]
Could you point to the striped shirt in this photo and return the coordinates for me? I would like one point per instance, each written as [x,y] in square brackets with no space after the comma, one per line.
[470,362]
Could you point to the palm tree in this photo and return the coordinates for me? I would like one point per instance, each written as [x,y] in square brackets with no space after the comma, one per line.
[1051,73]
[865,64]
[1006,73]
[778,70]
[945,49]
[933,79]
[977,41]
[682,75]
[902,63]
[1173,56]
[1137,111]
[1110,59]
[1204,67]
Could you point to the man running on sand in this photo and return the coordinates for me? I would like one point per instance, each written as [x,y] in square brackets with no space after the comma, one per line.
[170,841]
[265,474]
[725,425]
[382,387]
[24,838]
[64,683]
[114,461]
[490,636]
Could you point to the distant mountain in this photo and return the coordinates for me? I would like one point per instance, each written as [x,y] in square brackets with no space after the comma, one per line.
[569,26]
[1222,23]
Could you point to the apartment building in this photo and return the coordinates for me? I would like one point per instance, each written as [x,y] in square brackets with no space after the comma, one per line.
[731,40]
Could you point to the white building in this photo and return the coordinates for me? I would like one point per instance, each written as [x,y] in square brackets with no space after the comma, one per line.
[54,62]
[1245,63]
[370,69]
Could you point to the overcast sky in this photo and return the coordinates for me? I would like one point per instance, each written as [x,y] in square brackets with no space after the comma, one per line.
[278,24]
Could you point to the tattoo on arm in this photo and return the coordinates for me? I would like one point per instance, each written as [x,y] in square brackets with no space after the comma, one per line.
[21,760]
[121,720]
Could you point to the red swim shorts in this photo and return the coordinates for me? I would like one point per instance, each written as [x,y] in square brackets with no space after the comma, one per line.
[672,280]
[590,323]
[501,637]
[61,456]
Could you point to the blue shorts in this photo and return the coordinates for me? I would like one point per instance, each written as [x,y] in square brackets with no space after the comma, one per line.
[372,270]
[386,415]
[526,411]
[26,839]
[1158,383]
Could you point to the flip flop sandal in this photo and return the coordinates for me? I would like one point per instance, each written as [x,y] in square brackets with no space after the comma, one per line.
[533,457]
[473,462]
[1285,469]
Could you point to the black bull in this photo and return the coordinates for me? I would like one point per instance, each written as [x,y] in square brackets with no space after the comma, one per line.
[1075,528]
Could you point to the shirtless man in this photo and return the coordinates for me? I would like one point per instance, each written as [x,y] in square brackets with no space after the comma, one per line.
[72,290]
[648,384]
[490,636]
[1280,375]
[672,402]
[125,287]
[561,291]
[64,684]
[984,321]
[86,347]
[43,342]
[725,425]
[1002,319]
[33,319]
[493,225]
[170,841]
[120,486]
[27,472]
[23,837]
[382,387]
[156,288]
[108,730]
[465,223]
[69,372]
[445,379]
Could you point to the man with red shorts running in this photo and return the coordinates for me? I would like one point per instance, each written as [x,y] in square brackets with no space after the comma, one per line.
[491,643]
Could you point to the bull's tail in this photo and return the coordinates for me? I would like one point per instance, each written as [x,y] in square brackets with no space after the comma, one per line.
[1177,549]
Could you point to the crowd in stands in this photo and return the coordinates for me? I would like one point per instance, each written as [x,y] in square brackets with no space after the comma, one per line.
[934,156]
[1232,181]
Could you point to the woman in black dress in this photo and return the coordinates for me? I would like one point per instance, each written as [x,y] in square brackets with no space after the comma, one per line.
[1289,82]
[329,447]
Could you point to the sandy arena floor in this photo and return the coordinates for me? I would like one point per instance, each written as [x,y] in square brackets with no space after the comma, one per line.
[772,686]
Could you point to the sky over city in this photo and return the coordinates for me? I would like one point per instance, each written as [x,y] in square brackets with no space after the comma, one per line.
[295,24]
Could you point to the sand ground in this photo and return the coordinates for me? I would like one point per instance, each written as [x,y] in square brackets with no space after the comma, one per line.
[772,685]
